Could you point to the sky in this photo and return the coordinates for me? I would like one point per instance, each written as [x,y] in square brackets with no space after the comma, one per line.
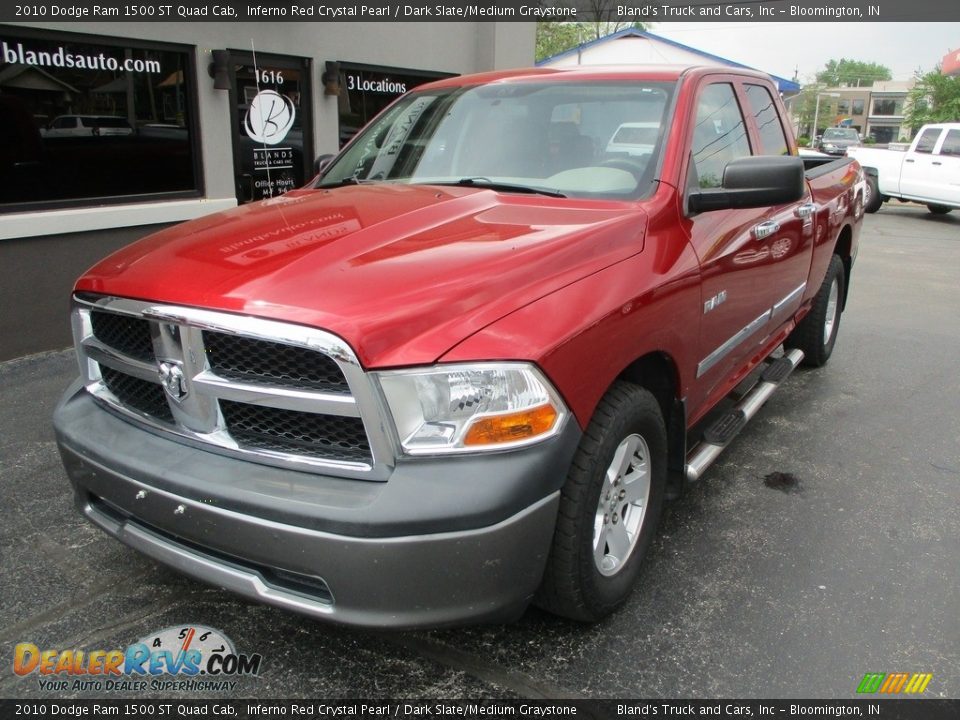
[782,48]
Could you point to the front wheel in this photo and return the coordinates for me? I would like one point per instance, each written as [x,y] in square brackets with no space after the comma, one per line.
[872,199]
[939,209]
[609,507]
[816,334]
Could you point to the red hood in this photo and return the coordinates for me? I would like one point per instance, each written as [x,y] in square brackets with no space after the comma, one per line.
[401,272]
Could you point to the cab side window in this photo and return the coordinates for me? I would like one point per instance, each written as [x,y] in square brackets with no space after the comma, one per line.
[951,144]
[719,135]
[928,139]
[772,139]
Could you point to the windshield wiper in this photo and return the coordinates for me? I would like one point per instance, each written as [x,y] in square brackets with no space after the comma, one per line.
[352,180]
[486,182]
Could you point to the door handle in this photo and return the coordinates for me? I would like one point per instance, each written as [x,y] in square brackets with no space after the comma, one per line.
[910,160]
[937,162]
[805,210]
[765,229]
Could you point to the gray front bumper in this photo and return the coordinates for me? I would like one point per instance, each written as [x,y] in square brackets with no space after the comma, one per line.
[441,542]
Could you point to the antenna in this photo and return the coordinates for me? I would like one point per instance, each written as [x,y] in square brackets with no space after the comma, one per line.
[266,152]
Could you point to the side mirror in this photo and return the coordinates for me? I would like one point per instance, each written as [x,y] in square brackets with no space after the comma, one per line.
[321,163]
[753,182]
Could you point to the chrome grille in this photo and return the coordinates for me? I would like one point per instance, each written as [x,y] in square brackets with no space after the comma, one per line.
[271,392]
[128,335]
[272,363]
[147,397]
[292,431]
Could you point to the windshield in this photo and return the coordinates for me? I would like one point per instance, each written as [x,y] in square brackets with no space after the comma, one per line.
[552,137]
[840,134]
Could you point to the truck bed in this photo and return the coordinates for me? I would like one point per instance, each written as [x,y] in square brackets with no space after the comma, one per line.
[815,167]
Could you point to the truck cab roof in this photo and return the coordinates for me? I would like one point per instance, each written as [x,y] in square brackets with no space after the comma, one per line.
[591,73]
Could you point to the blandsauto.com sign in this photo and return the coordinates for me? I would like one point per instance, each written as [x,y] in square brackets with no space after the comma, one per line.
[60,57]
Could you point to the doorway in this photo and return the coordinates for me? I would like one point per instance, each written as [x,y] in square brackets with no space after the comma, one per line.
[271,123]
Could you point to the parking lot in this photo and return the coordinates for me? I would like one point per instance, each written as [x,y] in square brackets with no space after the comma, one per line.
[824,544]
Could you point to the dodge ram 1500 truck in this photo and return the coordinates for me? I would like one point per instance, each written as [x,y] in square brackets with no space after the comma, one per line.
[927,173]
[461,369]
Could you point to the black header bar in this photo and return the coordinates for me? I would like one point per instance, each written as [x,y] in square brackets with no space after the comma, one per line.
[134,709]
[478,10]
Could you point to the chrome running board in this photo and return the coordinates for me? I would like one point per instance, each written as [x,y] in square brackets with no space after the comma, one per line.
[722,432]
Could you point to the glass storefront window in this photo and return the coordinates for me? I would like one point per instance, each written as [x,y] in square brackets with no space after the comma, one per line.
[87,120]
[888,106]
[366,90]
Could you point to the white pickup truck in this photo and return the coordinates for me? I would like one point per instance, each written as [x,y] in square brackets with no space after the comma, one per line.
[927,173]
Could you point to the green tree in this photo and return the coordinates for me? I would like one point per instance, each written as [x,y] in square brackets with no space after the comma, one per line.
[554,37]
[935,98]
[854,73]
[805,109]
[604,13]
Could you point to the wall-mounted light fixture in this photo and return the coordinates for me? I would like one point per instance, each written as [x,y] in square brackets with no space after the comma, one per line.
[331,78]
[219,69]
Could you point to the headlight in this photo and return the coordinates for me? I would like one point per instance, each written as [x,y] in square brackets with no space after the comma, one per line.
[466,408]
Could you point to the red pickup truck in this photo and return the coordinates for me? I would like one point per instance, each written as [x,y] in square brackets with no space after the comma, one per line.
[463,368]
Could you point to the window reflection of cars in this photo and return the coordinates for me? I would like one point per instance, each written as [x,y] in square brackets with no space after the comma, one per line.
[88,125]
[634,138]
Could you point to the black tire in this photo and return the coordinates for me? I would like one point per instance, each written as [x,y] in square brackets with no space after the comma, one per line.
[574,585]
[811,334]
[939,209]
[873,199]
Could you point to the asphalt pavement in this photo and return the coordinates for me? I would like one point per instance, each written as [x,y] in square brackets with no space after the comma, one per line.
[824,544]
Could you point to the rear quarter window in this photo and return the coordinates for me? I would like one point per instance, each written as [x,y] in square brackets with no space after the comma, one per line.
[951,143]
[772,139]
[928,139]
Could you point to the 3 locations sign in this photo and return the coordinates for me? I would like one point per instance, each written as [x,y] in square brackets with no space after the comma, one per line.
[383,86]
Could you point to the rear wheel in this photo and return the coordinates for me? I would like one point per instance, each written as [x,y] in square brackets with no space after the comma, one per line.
[939,209]
[872,199]
[816,334]
[609,507]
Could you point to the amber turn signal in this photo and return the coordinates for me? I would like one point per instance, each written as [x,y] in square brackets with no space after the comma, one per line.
[511,427]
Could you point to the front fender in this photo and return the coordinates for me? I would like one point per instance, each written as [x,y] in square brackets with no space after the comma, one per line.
[586,334]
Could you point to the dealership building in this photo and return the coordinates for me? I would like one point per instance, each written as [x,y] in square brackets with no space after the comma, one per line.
[112,130]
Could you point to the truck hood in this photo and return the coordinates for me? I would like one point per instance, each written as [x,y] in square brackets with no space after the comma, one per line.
[401,272]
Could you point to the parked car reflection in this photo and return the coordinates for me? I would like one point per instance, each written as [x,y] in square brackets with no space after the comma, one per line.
[87,126]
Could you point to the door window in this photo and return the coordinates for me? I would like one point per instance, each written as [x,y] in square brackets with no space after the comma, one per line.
[719,135]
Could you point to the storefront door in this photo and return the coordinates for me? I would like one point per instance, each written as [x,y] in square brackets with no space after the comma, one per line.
[270,101]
